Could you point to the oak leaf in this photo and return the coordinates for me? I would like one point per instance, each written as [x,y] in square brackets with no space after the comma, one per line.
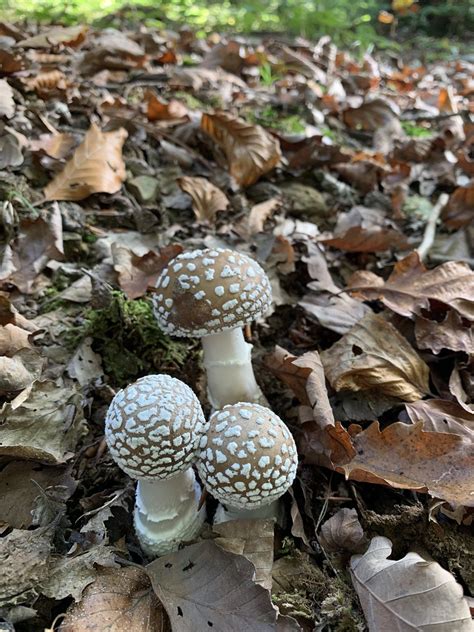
[96,167]
[250,151]
[207,199]
[407,594]
[412,288]
[374,355]
[441,415]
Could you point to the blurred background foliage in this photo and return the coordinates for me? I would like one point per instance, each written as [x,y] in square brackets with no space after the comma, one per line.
[363,22]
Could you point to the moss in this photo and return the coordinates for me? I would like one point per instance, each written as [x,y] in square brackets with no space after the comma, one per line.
[269,117]
[126,335]
[416,131]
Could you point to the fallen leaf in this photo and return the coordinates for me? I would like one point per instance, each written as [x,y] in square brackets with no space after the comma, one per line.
[55,145]
[85,365]
[23,560]
[459,211]
[19,371]
[250,151]
[198,78]
[7,104]
[114,50]
[373,355]
[98,517]
[227,55]
[203,586]
[158,110]
[364,175]
[10,151]
[441,415]
[412,288]
[254,540]
[407,594]
[405,456]
[343,532]
[26,480]
[10,62]
[58,35]
[137,273]
[453,332]
[207,199]
[45,427]
[120,600]
[96,167]
[371,115]
[259,213]
[45,82]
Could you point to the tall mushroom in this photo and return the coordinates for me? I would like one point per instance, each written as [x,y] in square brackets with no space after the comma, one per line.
[211,294]
[247,460]
[153,428]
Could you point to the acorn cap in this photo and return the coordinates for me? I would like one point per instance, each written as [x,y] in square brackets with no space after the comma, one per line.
[153,427]
[248,457]
[209,291]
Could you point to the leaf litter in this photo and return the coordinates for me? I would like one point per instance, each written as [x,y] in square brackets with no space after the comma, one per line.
[116,155]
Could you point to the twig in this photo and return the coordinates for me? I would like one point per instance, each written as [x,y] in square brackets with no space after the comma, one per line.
[430,228]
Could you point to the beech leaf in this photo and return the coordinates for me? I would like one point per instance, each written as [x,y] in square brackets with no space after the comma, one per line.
[373,355]
[250,151]
[204,587]
[95,167]
[343,531]
[207,199]
[407,594]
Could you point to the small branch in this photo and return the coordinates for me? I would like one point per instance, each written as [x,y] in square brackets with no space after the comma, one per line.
[430,228]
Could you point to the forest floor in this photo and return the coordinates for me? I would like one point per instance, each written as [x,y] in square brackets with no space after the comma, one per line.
[350,179]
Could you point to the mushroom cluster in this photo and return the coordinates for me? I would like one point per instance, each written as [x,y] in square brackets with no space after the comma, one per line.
[211,294]
[153,428]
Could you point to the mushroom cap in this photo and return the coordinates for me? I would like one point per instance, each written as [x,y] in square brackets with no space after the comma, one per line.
[248,457]
[208,291]
[153,427]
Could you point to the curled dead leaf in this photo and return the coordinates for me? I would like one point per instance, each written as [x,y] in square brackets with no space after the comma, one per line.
[96,167]
[343,531]
[250,151]
[373,355]
[207,199]
[453,332]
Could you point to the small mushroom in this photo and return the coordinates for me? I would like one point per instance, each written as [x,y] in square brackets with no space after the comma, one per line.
[247,460]
[211,294]
[153,428]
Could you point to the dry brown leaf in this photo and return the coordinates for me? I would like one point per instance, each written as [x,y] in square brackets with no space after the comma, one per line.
[14,338]
[254,540]
[58,35]
[203,587]
[459,211]
[407,594]
[137,273]
[198,78]
[250,151]
[406,456]
[412,288]
[10,62]
[343,532]
[371,115]
[55,145]
[260,213]
[114,50]
[453,332]
[121,600]
[373,355]
[158,110]
[207,198]
[19,371]
[45,82]
[441,415]
[364,175]
[7,104]
[359,239]
[96,167]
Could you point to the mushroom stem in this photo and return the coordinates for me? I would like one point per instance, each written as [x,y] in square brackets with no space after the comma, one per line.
[272,511]
[230,376]
[167,512]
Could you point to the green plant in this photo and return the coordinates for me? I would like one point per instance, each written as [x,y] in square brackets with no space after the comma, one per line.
[417,131]
[269,117]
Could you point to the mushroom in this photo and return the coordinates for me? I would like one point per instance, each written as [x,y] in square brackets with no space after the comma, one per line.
[211,294]
[152,429]
[247,460]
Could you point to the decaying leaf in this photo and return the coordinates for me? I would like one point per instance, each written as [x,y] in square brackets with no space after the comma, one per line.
[250,151]
[373,355]
[7,104]
[254,540]
[58,35]
[207,198]
[20,370]
[407,594]
[453,332]
[10,151]
[411,287]
[121,600]
[459,211]
[202,586]
[85,365]
[96,167]
[343,532]
[55,145]
[45,427]
[158,110]
[441,415]
[137,273]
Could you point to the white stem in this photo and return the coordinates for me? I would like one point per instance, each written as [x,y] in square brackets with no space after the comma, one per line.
[166,512]
[228,363]
[272,511]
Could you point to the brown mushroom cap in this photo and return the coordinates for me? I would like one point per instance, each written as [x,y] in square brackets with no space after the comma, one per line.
[153,427]
[209,291]
[248,456]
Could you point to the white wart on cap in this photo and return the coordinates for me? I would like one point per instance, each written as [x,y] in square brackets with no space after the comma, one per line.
[248,457]
[209,291]
[153,427]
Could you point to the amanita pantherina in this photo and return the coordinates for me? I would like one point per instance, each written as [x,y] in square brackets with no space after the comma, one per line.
[247,460]
[212,294]
[153,428]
